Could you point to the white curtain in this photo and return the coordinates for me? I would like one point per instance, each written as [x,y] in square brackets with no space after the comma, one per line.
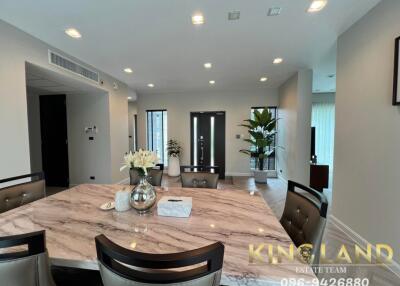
[323,119]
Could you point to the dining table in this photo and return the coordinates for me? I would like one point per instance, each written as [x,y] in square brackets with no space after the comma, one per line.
[240,219]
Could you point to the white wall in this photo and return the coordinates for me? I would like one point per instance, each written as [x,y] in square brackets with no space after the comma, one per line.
[294,127]
[17,48]
[366,191]
[236,104]
[35,145]
[88,157]
[83,154]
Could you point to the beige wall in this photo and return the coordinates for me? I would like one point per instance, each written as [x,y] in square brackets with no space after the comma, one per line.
[237,105]
[294,127]
[366,191]
[118,109]
[17,48]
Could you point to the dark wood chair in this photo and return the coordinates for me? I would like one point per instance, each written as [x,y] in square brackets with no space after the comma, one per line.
[120,266]
[304,216]
[18,194]
[25,267]
[199,180]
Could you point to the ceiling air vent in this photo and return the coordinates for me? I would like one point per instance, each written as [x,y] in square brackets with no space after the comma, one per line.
[274,11]
[71,66]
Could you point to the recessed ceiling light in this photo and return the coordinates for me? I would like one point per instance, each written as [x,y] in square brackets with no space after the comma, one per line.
[263,79]
[208,65]
[150,85]
[234,15]
[212,82]
[274,11]
[74,33]
[129,97]
[198,19]
[317,5]
[277,61]
[128,70]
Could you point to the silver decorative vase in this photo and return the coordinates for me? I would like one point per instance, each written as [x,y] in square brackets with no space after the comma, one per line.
[143,196]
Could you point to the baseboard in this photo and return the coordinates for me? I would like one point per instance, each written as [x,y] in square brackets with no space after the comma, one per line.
[271,174]
[362,242]
[234,174]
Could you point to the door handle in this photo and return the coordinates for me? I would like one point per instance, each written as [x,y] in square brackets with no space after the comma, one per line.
[202,153]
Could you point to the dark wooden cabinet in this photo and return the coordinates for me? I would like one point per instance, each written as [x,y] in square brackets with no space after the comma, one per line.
[319,177]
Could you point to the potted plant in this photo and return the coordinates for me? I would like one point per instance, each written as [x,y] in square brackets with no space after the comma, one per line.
[174,151]
[262,130]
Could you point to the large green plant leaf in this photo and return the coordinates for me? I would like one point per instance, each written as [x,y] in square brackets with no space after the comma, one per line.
[254,124]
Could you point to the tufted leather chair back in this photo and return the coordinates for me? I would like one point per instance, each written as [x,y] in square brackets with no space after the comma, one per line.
[154,177]
[199,180]
[304,216]
[25,268]
[17,195]
[123,267]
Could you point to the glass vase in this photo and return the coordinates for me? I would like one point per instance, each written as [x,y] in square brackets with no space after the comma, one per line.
[143,196]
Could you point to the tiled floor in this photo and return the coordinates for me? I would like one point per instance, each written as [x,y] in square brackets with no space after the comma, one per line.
[275,194]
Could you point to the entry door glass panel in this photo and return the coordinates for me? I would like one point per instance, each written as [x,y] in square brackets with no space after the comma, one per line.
[208,140]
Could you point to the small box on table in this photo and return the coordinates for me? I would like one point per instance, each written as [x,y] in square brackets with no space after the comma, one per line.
[174,206]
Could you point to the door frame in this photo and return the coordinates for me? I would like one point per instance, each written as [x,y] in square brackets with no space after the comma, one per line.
[191,137]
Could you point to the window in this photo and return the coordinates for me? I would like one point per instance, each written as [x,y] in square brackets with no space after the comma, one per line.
[157,133]
[269,163]
[323,119]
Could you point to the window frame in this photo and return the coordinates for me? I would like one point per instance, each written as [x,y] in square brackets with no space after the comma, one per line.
[151,148]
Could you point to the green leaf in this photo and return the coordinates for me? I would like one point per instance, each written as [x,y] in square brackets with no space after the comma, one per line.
[253,123]
[245,125]
[256,134]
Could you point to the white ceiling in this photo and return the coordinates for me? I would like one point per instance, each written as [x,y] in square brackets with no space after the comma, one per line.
[157,40]
[45,81]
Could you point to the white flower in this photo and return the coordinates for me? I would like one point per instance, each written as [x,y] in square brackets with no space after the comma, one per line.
[141,159]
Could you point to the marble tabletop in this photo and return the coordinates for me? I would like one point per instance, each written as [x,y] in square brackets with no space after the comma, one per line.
[72,219]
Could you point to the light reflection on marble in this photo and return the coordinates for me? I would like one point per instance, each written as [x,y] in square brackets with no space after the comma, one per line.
[72,219]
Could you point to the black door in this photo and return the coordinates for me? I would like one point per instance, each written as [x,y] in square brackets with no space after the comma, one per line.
[53,127]
[208,139]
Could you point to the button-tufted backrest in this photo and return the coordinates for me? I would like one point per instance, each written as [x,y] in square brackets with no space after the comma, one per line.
[154,177]
[21,194]
[304,216]
[199,180]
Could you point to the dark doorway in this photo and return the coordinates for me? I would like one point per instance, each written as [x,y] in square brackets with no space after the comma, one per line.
[207,133]
[53,127]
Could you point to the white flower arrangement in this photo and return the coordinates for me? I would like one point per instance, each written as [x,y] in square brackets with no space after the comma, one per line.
[140,160]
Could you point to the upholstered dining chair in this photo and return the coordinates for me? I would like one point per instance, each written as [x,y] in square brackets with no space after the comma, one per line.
[304,218]
[16,195]
[123,267]
[199,180]
[154,177]
[28,267]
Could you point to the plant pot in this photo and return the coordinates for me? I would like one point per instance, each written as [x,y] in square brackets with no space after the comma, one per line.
[260,177]
[173,167]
